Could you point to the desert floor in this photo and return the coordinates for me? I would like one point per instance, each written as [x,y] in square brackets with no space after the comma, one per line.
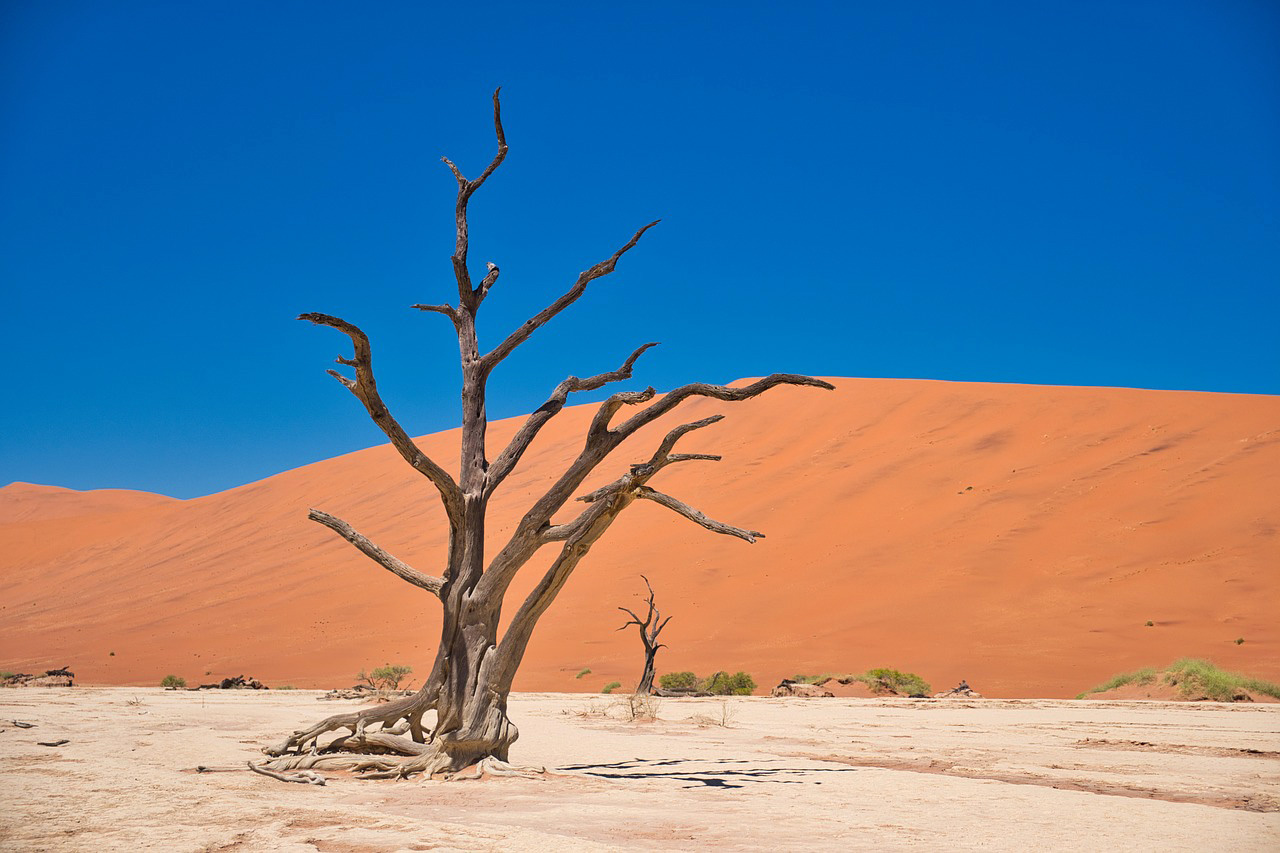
[784,774]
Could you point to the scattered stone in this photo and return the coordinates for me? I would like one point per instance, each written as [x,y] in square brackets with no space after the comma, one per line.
[237,683]
[61,677]
[801,690]
[960,691]
[364,691]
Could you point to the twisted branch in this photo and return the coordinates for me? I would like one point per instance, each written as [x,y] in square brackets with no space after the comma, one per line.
[507,460]
[696,516]
[520,335]
[472,297]
[379,556]
[365,388]
[535,528]
[650,637]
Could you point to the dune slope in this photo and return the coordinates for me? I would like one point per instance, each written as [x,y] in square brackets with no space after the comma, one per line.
[1019,537]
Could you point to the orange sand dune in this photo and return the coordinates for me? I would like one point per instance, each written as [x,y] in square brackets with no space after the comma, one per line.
[30,502]
[1019,537]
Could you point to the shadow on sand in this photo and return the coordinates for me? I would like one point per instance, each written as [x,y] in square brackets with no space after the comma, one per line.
[707,772]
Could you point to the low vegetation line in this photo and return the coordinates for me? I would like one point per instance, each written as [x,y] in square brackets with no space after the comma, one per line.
[1195,678]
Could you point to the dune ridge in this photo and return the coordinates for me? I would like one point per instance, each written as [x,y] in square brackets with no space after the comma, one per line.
[1017,536]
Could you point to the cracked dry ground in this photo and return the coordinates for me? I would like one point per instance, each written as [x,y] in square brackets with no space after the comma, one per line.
[785,773]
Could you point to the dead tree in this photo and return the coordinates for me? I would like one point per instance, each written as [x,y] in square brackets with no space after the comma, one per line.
[650,627]
[471,677]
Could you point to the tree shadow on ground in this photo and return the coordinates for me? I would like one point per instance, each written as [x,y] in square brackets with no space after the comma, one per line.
[709,772]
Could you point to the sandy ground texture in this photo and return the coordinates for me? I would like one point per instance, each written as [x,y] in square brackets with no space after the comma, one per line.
[783,774]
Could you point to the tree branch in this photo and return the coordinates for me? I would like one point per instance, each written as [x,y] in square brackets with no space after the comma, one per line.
[535,530]
[507,460]
[693,457]
[471,298]
[379,556]
[365,388]
[661,457]
[447,310]
[487,281]
[520,335]
[718,392]
[606,504]
[695,516]
[640,474]
[635,620]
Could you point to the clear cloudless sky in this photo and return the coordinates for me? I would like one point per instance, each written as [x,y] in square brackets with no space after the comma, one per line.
[1080,193]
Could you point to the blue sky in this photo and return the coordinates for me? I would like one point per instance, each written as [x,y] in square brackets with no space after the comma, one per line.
[1053,193]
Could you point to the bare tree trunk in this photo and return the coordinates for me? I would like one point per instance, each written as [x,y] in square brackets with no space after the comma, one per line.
[650,627]
[474,667]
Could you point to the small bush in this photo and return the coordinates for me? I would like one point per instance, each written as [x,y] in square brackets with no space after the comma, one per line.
[611,686]
[723,718]
[1150,624]
[173,682]
[585,671]
[724,684]
[679,681]
[1193,676]
[1141,676]
[111,654]
[6,674]
[386,677]
[642,707]
[885,680]
[1239,641]
[286,687]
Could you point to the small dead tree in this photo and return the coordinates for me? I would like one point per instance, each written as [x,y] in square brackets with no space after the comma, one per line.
[471,677]
[650,627]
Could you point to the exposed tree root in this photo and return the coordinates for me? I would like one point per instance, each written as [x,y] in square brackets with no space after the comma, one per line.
[399,716]
[306,777]
[490,766]
[385,755]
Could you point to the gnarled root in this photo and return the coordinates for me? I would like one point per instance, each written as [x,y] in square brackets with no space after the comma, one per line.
[399,716]
[385,756]
[306,777]
[490,766]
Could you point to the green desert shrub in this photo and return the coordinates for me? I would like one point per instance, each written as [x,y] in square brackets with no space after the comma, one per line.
[1140,677]
[885,680]
[386,677]
[720,684]
[586,670]
[1195,676]
[724,684]
[173,682]
[611,686]
[679,681]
